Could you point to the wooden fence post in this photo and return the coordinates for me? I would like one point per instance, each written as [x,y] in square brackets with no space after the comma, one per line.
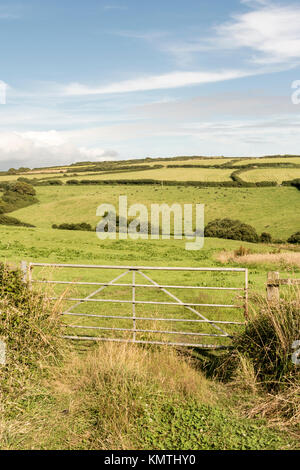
[273,286]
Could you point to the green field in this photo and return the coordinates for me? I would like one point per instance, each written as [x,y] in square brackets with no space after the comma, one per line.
[271,174]
[83,384]
[262,160]
[168,174]
[73,204]
[59,204]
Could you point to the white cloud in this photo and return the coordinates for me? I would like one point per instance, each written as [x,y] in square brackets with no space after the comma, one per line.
[114,7]
[156,82]
[36,149]
[271,33]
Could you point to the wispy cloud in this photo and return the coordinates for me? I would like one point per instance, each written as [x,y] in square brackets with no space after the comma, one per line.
[114,7]
[270,32]
[156,82]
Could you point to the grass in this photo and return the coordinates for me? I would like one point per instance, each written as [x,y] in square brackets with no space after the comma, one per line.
[261,160]
[287,261]
[271,174]
[254,206]
[165,174]
[123,396]
[128,397]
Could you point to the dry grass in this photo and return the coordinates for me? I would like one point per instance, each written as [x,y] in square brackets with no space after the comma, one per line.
[93,400]
[124,366]
[284,260]
[280,409]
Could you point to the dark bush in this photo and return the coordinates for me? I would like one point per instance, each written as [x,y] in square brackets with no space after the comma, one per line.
[231,229]
[82,226]
[295,183]
[22,188]
[5,220]
[266,237]
[295,238]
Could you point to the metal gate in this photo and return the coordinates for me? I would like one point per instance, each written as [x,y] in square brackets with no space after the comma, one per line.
[190,319]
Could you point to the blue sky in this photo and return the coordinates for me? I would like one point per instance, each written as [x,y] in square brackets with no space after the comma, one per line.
[104,79]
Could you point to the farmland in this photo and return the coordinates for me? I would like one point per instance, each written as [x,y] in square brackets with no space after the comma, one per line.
[267,209]
[272,174]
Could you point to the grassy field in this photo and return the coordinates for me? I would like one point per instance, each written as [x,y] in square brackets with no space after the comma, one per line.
[70,405]
[260,161]
[39,175]
[255,206]
[168,174]
[271,174]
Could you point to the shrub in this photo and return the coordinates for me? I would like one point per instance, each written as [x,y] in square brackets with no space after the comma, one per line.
[17,196]
[231,229]
[295,183]
[79,226]
[5,220]
[266,237]
[22,188]
[50,183]
[295,238]
[29,325]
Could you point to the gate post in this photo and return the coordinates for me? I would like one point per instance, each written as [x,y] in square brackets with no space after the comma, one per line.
[133,305]
[24,269]
[2,353]
[273,286]
[246,309]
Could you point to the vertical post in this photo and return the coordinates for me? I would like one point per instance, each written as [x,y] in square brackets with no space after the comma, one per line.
[30,276]
[246,310]
[273,286]
[2,353]
[24,270]
[133,305]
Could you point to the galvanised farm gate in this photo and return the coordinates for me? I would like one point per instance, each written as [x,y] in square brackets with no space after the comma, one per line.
[147,305]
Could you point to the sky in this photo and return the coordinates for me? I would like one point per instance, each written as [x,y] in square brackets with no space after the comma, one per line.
[102,80]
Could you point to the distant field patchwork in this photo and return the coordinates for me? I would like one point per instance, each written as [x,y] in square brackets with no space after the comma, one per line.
[271,174]
[260,161]
[167,174]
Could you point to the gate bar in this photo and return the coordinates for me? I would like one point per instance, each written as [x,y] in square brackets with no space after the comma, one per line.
[107,284]
[135,268]
[134,330]
[97,338]
[147,302]
[152,319]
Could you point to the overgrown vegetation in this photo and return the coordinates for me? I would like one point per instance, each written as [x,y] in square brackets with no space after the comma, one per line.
[261,360]
[295,238]
[16,196]
[107,396]
[82,226]
[231,229]
[29,325]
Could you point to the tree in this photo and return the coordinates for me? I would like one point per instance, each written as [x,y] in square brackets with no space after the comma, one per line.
[266,237]
[295,238]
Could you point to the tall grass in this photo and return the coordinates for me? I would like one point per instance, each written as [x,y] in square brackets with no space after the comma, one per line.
[108,395]
[261,361]
[30,327]
[268,338]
